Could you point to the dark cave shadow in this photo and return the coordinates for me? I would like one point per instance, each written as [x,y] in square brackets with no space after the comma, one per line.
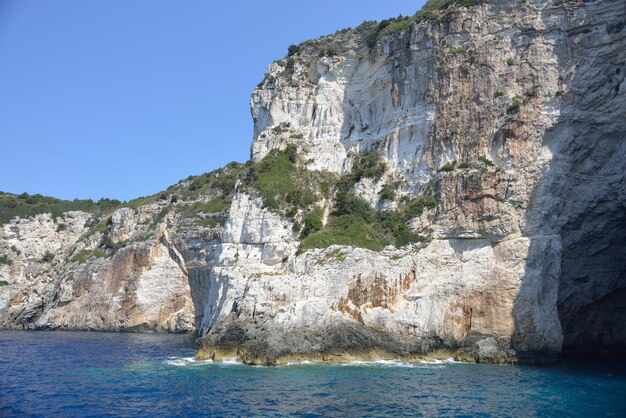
[576,220]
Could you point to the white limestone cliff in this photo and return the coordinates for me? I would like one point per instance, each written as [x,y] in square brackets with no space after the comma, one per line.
[494,83]
[524,250]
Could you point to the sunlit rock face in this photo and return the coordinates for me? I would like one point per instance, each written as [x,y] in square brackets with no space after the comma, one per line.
[533,87]
[524,255]
[144,286]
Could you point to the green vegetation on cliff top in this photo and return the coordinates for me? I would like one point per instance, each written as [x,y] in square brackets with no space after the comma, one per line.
[25,205]
[285,187]
[372,31]
[432,10]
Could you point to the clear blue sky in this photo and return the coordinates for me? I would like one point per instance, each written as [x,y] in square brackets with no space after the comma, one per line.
[123,98]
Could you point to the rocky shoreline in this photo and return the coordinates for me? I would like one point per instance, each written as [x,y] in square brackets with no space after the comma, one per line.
[450,182]
[487,351]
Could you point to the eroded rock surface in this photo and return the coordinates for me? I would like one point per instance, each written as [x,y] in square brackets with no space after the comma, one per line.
[523,253]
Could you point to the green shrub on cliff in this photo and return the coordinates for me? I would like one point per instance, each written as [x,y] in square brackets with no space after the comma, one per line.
[5,260]
[47,257]
[312,223]
[516,103]
[387,27]
[289,189]
[368,165]
[285,186]
[26,205]
[293,50]
[395,223]
[485,160]
[415,207]
[83,255]
[349,204]
[354,222]
[215,206]
[272,177]
[346,230]
[388,191]
[209,193]
[448,167]
[432,10]
[373,231]
[459,50]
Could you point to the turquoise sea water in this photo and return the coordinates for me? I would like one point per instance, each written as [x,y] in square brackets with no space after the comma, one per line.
[100,374]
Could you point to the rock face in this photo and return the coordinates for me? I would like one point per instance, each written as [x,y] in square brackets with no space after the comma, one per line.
[143,286]
[511,112]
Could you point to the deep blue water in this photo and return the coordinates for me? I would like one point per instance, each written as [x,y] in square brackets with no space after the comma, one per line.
[101,374]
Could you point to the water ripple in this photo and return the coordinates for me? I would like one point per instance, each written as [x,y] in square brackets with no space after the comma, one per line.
[96,374]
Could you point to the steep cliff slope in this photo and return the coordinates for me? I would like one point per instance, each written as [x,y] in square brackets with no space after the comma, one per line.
[447,182]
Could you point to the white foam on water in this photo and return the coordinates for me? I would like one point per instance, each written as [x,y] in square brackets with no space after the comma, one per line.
[381,363]
[299,363]
[444,361]
[435,364]
[191,361]
[185,361]
[231,362]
